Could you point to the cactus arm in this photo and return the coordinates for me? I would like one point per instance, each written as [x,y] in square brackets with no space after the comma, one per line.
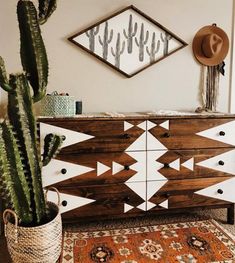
[146,38]
[101,42]
[4,82]
[46,8]
[123,48]
[125,34]
[112,51]
[110,37]
[33,53]
[52,142]
[12,174]
[137,43]
[96,31]
[21,117]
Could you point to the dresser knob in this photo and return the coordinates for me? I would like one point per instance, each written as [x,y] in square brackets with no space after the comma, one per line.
[63,137]
[126,136]
[127,167]
[166,165]
[221,162]
[220,191]
[167,195]
[126,199]
[64,203]
[63,171]
[166,135]
[222,133]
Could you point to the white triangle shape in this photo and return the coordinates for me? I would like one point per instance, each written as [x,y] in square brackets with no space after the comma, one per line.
[175,164]
[213,163]
[116,167]
[164,204]
[149,205]
[71,137]
[150,125]
[73,202]
[227,187]
[138,187]
[102,168]
[127,208]
[214,133]
[142,125]
[189,164]
[139,166]
[127,125]
[153,143]
[142,206]
[153,187]
[139,144]
[165,125]
[52,174]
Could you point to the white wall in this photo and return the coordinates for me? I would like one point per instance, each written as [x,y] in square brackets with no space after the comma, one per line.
[172,83]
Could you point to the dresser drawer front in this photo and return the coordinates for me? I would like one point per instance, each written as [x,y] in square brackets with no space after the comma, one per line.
[195,133]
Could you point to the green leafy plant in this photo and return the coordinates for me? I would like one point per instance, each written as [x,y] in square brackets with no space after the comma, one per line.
[20,159]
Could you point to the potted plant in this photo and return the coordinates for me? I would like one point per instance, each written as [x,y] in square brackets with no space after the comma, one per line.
[35,236]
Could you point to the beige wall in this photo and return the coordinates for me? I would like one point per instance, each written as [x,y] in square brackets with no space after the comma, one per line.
[170,84]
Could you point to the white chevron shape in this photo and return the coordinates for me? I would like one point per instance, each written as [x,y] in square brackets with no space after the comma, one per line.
[153,166]
[71,137]
[165,125]
[138,187]
[51,173]
[153,187]
[153,143]
[189,164]
[116,167]
[228,158]
[73,202]
[227,187]
[175,164]
[142,206]
[139,167]
[102,168]
[214,133]
[150,125]
[127,125]
[127,208]
[164,204]
[142,125]
[149,205]
[139,144]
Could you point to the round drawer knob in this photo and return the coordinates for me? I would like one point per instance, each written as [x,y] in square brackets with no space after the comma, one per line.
[126,199]
[63,137]
[220,191]
[126,136]
[64,203]
[63,171]
[221,162]
[166,165]
[127,167]
[166,135]
[222,133]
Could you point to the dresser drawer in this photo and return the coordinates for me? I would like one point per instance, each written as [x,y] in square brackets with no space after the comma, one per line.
[194,133]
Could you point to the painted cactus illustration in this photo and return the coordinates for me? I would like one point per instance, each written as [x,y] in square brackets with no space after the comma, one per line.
[165,39]
[106,40]
[91,35]
[131,32]
[118,51]
[153,50]
[143,39]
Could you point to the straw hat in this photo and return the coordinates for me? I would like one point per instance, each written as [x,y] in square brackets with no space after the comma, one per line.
[210,45]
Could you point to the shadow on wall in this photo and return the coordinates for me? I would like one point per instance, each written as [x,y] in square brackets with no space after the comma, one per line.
[3,110]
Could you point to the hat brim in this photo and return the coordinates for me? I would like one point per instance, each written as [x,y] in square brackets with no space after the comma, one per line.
[197,44]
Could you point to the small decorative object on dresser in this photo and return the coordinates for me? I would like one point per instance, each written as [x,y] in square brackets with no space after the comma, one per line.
[113,167]
[129,41]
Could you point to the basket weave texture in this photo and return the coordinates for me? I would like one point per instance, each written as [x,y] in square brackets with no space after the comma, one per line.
[41,244]
[58,106]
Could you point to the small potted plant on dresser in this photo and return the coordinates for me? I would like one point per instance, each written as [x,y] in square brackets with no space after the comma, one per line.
[33,227]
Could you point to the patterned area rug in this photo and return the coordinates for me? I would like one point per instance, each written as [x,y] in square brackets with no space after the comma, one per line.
[190,242]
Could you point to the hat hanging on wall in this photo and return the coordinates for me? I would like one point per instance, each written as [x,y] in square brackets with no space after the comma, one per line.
[210,47]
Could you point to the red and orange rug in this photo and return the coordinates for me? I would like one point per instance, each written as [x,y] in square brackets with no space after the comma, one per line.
[189,242]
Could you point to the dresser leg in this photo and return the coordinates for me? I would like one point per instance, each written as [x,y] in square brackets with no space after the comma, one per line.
[230,215]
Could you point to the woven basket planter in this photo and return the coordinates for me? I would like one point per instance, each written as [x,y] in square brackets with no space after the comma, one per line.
[41,244]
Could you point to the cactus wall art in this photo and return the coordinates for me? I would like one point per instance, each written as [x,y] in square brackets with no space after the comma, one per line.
[128,41]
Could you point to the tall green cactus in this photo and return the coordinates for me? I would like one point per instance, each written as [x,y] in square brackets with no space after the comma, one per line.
[131,32]
[153,50]
[91,35]
[119,50]
[143,40]
[20,160]
[106,40]
[165,39]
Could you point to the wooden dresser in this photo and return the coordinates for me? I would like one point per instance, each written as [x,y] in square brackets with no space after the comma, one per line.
[133,165]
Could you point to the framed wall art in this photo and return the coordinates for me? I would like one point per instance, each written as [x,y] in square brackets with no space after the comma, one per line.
[129,41]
